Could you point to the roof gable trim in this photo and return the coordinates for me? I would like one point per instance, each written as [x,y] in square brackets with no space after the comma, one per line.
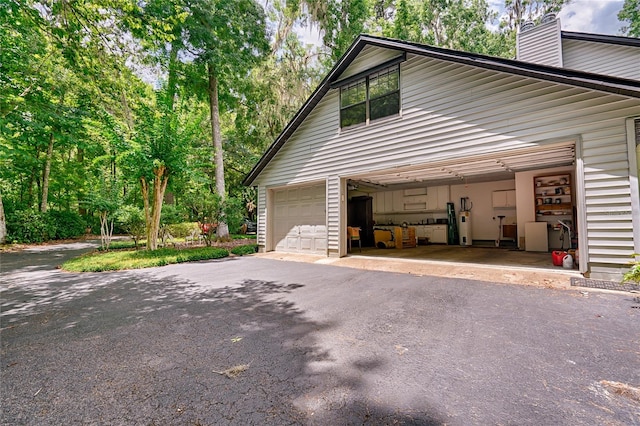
[362,74]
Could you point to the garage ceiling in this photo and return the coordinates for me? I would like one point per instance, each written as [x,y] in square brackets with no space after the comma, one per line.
[477,168]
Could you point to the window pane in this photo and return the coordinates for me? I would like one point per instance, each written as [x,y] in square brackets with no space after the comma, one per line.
[353,94]
[385,106]
[383,82]
[355,114]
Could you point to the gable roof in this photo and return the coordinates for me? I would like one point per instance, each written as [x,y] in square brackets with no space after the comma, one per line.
[587,80]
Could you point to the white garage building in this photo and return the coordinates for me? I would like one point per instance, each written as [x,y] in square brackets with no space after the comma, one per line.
[411,128]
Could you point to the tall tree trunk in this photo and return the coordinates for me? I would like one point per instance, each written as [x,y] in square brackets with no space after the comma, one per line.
[216,136]
[144,188]
[45,175]
[3,223]
[152,212]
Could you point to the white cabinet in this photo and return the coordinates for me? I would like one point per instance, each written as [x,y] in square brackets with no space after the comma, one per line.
[411,200]
[439,234]
[414,192]
[434,233]
[438,197]
[432,199]
[504,199]
[415,203]
[535,236]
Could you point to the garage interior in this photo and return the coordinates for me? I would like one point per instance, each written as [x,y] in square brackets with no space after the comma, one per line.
[514,208]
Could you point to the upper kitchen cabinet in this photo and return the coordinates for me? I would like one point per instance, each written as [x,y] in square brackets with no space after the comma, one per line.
[438,197]
[412,200]
[504,199]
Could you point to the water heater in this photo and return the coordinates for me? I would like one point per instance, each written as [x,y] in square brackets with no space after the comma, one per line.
[464,228]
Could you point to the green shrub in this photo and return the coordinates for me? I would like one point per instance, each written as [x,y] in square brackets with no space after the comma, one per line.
[246,249]
[633,275]
[172,214]
[181,230]
[30,227]
[132,221]
[67,224]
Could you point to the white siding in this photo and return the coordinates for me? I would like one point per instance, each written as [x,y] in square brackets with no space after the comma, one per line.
[262,218]
[602,58]
[369,57]
[451,111]
[333,214]
[541,45]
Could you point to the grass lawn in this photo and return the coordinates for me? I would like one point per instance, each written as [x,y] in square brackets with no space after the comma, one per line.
[129,244]
[135,259]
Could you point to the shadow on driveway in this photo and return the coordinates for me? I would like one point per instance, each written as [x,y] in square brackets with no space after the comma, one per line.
[126,348]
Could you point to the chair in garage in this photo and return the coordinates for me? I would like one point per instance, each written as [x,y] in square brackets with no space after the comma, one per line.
[353,234]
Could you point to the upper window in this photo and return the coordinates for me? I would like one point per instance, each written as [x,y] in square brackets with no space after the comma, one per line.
[369,98]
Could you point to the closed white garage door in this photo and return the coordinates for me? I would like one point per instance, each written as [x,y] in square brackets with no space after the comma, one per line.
[299,222]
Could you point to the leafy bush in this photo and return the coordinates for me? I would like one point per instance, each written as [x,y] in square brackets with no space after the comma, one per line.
[246,249]
[67,224]
[132,221]
[633,275]
[30,227]
[172,214]
[181,230]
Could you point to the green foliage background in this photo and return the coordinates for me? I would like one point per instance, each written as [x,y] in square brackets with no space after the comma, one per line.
[98,94]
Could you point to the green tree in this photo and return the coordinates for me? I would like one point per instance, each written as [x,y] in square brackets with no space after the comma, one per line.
[132,221]
[630,14]
[62,74]
[231,38]
[519,11]
[156,152]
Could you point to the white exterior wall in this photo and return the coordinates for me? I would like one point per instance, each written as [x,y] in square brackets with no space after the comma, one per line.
[602,58]
[541,45]
[451,111]
[368,55]
[261,220]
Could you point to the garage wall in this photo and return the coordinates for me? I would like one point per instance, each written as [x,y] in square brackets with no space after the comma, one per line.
[451,111]
[483,226]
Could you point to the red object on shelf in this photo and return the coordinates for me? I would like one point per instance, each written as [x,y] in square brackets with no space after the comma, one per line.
[557,257]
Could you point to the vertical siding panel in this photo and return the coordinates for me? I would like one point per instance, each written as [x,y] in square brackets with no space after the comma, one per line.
[607,195]
[333,215]
[262,217]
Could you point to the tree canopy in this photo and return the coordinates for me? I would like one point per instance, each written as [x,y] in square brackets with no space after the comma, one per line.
[112,104]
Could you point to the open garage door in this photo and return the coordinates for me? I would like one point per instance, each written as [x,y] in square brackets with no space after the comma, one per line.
[299,220]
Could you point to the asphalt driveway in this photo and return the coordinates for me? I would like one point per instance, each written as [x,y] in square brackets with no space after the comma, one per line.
[260,341]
